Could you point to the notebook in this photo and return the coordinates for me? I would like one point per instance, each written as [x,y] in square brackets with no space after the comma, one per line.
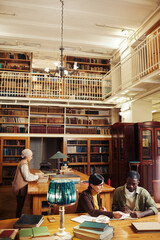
[146,226]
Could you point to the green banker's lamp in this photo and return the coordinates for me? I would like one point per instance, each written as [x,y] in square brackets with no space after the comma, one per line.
[61,192]
[59,156]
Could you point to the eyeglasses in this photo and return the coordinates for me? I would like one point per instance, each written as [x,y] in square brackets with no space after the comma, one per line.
[100,185]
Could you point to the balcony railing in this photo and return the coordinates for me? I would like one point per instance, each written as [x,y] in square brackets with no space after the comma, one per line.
[34,85]
[140,62]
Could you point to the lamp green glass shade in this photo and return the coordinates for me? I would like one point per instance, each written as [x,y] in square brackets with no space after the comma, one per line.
[61,192]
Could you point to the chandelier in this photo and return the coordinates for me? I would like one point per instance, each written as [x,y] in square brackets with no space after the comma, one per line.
[60,69]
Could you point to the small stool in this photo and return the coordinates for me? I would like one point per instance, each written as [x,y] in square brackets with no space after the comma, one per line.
[134,163]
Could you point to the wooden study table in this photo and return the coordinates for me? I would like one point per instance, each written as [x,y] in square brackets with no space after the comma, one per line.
[38,192]
[122,228]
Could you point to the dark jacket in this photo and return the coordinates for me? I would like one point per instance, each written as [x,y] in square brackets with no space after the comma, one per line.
[86,204]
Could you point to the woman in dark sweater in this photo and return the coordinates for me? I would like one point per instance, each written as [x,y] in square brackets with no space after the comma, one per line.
[90,201]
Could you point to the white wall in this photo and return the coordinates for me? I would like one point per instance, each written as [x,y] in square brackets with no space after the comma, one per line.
[140,111]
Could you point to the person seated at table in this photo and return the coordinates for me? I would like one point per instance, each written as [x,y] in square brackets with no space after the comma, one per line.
[90,201]
[131,198]
[21,179]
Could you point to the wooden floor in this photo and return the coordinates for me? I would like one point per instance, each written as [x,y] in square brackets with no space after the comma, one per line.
[8,203]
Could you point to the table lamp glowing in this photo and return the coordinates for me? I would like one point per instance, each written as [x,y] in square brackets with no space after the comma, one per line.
[59,156]
[61,192]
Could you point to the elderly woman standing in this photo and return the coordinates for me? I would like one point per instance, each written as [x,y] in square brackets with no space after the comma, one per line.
[21,179]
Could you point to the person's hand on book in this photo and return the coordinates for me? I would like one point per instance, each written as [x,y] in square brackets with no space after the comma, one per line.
[117,214]
[125,209]
[135,214]
[40,176]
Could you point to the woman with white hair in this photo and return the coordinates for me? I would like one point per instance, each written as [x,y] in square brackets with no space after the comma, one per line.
[21,179]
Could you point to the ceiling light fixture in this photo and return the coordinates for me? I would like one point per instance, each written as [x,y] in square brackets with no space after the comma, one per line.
[60,69]
[124,32]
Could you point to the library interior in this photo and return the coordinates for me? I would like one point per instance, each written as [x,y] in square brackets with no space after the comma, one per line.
[80,88]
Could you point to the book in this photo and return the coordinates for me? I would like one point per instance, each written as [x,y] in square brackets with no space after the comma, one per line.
[44,179]
[75,178]
[8,233]
[28,233]
[40,231]
[93,233]
[94,225]
[27,221]
[25,233]
[86,237]
[146,226]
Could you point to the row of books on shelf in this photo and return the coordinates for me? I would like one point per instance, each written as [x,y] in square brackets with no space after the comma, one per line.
[76,149]
[13,129]
[9,172]
[13,106]
[37,109]
[99,158]
[73,142]
[11,159]
[81,130]
[82,169]
[77,120]
[47,120]
[14,142]
[15,56]
[9,75]
[99,169]
[97,149]
[82,111]
[89,67]
[14,66]
[13,120]
[13,112]
[77,158]
[46,129]
[104,131]
[12,151]
[52,129]
[87,60]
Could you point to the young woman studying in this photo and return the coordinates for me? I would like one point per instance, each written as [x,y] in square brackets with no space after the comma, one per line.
[90,201]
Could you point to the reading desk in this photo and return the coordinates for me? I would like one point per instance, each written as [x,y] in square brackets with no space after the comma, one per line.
[122,228]
[38,192]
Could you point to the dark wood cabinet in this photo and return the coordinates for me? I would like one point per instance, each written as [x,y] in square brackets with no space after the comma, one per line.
[148,152]
[123,151]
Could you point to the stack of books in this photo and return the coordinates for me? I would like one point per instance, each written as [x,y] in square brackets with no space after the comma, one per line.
[93,230]
[75,178]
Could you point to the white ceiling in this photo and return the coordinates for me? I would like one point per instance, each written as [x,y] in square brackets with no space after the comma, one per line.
[91,27]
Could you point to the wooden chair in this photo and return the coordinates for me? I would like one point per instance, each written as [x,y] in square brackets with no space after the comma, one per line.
[134,164]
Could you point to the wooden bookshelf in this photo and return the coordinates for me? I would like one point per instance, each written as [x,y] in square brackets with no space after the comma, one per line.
[54,120]
[11,149]
[89,155]
[46,119]
[14,119]
[87,121]
[87,65]
[14,61]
